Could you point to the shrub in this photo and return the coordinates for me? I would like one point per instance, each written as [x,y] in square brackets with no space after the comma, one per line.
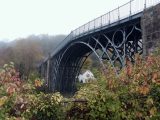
[20,100]
[134,94]
[45,107]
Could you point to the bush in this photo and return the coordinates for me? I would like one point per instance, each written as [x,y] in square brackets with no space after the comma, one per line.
[45,107]
[134,94]
[20,100]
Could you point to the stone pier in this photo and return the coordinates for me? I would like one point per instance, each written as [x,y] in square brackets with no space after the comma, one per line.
[150,23]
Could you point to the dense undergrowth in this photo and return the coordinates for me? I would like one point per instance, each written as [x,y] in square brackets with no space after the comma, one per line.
[20,100]
[133,95]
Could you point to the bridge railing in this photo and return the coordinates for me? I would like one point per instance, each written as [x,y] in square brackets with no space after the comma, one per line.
[127,10]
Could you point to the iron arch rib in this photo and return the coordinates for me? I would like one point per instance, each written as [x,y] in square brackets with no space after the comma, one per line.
[72,64]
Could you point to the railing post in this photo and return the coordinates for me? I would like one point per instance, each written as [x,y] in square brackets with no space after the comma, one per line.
[79,31]
[94,23]
[88,26]
[118,14]
[71,35]
[145,4]
[109,17]
[130,8]
[101,21]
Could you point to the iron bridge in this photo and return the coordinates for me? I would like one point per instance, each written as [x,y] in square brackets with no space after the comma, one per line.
[117,34]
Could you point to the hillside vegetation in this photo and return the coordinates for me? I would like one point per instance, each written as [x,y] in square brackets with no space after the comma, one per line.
[28,53]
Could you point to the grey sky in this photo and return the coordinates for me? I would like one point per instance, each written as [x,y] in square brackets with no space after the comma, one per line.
[20,18]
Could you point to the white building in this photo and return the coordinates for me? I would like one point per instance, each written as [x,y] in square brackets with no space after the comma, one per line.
[86,76]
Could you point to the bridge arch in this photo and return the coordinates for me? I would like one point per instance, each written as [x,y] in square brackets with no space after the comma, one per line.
[76,53]
[108,45]
[71,62]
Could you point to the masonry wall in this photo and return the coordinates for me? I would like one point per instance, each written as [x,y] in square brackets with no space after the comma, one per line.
[150,23]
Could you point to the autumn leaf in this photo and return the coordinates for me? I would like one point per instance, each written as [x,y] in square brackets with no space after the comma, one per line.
[144,89]
[38,83]
[158,81]
[3,100]
[10,90]
[152,111]
[110,83]
[137,76]
[129,67]
[149,60]
[138,114]
[149,101]
[18,83]
[144,73]
[129,70]
[154,76]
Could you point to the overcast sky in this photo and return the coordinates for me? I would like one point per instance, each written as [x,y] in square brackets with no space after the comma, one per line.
[20,18]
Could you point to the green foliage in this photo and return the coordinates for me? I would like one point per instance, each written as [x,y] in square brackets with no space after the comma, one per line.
[134,94]
[20,99]
[44,106]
